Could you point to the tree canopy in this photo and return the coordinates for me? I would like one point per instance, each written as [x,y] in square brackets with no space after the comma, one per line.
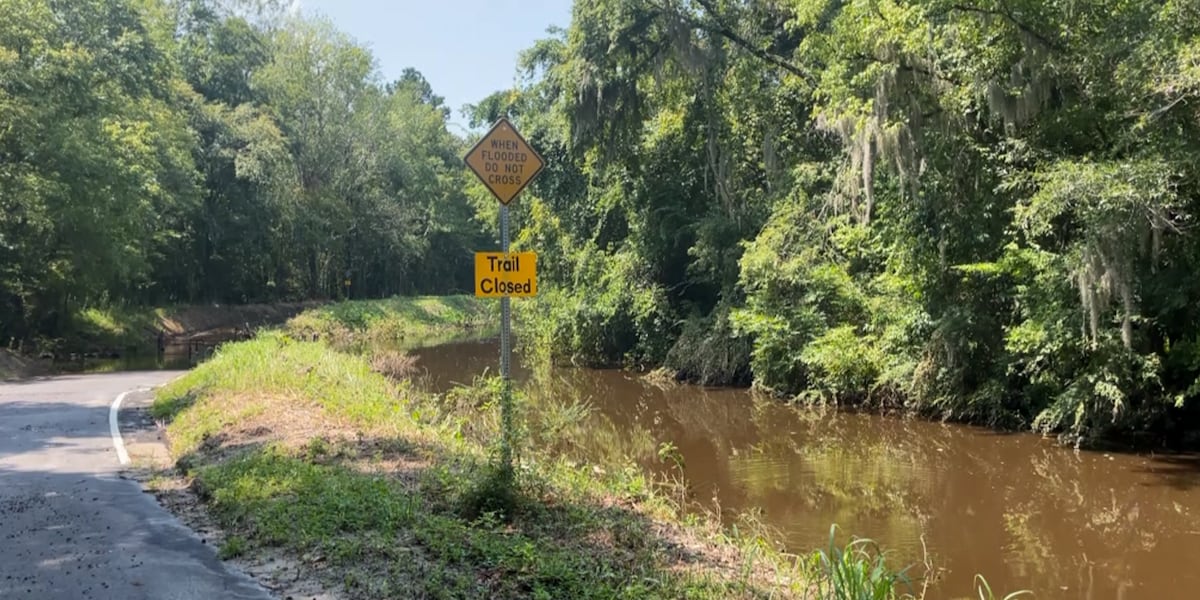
[976,210]
[198,150]
[980,210]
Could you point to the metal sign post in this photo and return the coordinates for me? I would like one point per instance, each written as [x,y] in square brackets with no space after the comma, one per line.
[505,163]
[506,409]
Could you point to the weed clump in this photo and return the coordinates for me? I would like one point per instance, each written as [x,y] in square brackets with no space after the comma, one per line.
[394,364]
[492,492]
[856,571]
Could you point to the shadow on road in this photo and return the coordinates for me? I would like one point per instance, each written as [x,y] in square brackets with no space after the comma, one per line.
[71,527]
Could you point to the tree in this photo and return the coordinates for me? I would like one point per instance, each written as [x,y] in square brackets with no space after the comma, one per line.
[95,158]
[218,151]
[981,210]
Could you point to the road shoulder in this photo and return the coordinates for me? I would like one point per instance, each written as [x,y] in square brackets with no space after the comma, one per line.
[151,467]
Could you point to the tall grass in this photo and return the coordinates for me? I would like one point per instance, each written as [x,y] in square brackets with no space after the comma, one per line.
[860,571]
[856,571]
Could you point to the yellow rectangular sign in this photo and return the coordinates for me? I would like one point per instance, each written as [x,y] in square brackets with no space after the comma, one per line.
[498,274]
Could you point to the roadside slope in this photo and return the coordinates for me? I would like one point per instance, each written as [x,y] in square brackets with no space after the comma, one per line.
[389,492]
[309,444]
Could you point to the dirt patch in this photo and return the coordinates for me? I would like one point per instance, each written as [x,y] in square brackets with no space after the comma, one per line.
[290,421]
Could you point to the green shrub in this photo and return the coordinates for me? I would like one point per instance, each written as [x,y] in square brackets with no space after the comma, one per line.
[611,315]
[794,294]
[841,362]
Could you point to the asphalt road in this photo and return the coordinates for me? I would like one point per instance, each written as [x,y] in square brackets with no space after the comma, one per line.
[70,527]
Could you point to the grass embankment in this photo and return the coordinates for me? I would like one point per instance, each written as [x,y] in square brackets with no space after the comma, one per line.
[367,325]
[384,491]
[355,325]
[297,446]
[114,328]
[135,329]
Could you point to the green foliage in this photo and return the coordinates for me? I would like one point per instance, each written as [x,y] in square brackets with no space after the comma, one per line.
[825,312]
[179,152]
[610,316]
[709,351]
[395,322]
[842,362]
[982,212]
[232,547]
[96,153]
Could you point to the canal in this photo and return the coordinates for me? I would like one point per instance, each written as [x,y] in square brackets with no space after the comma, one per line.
[1016,508]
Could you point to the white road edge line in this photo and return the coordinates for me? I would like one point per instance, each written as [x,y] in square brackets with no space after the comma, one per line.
[115,430]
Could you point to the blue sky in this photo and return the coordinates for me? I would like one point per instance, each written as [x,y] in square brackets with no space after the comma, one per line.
[467,49]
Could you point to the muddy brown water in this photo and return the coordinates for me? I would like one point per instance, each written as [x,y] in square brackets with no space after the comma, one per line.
[1016,508]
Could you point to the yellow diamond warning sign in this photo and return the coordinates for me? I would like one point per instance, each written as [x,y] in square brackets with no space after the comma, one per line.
[499,274]
[504,161]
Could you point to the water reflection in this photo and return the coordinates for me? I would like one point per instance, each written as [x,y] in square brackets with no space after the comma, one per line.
[1016,508]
